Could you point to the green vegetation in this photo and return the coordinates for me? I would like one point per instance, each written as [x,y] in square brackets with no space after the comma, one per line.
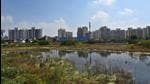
[136,45]
[19,68]
[138,42]
[133,39]
[141,47]
[43,42]
[69,43]
[145,43]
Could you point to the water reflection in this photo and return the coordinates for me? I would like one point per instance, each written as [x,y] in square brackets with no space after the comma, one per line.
[82,54]
[118,53]
[143,58]
[62,53]
[104,54]
[132,56]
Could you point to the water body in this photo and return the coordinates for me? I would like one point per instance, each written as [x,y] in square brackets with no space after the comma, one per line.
[106,62]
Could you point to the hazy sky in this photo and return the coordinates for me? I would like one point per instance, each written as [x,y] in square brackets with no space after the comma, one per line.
[50,15]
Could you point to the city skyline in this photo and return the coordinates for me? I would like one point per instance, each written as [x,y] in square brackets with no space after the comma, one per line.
[84,26]
[17,35]
[104,34]
[53,14]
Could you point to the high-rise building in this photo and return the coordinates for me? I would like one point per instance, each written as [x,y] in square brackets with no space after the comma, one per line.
[69,35]
[96,35]
[130,32]
[118,35]
[84,30]
[146,32]
[82,33]
[16,34]
[139,33]
[61,33]
[64,35]
[11,35]
[23,34]
[38,33]
[79,33]
[30,34]
[33,33]
[105,34]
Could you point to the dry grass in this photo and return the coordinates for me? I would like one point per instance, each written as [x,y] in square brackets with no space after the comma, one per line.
[99,46]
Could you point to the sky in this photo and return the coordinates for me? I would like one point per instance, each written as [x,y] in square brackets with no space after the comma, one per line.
[50,15]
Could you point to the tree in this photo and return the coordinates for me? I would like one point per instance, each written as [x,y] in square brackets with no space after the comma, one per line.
[133,39]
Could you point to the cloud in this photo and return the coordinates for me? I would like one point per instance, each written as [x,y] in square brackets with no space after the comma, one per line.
[104,2]
[130,22]
[6,23]
[61,23]
[100,16]
[114,21]
[126,11]
[52,27]
[6,19]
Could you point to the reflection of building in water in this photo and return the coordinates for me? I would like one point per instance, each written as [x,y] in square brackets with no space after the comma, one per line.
[104,54]
[130,54]
[64,52]
[118,53]
[61,53]
[143,58]
[82,54]
[90,57]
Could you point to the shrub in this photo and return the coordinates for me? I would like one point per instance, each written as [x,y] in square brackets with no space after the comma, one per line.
[9,72]
[91,42]
[43,42]
[132,39]
[69,42]
[145,43]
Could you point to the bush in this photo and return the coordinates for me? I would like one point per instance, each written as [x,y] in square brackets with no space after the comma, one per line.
[43,42]
[9,72]
[68,43]
[132,41]
[145,43]
[91,42]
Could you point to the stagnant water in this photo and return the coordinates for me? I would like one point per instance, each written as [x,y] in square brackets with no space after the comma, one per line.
[102,61]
